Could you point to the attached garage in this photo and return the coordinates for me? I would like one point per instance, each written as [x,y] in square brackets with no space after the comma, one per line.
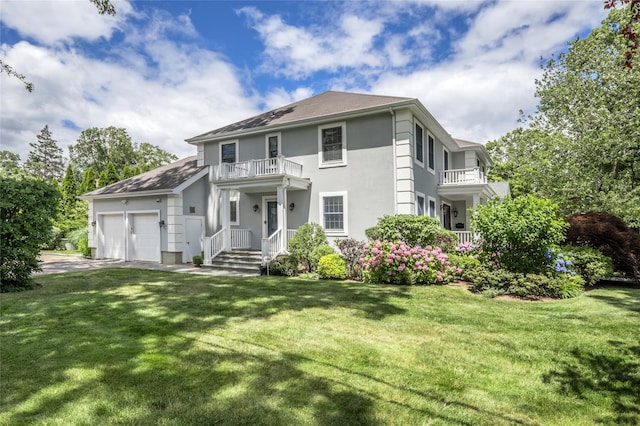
[144,236]
[111,236]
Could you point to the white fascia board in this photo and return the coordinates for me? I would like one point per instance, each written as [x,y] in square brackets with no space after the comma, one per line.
[126,194]
[187,183]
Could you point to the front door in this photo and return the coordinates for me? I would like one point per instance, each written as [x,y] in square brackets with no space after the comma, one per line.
[272,217]
[446,216]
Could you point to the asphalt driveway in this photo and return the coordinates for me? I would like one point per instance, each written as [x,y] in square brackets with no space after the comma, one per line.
[59,263]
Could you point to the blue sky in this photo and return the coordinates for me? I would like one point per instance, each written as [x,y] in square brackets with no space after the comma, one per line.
[168,70]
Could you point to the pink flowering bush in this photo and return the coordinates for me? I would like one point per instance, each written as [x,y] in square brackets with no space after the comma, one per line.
[397,263]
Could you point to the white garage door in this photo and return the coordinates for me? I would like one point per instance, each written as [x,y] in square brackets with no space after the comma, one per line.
[145,237]
[112,236]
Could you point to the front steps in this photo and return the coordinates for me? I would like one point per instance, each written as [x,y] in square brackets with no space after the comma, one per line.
[244,262]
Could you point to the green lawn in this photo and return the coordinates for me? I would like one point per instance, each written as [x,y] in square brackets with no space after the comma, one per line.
[126,346]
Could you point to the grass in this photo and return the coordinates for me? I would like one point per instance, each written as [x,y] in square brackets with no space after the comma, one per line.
[125,346]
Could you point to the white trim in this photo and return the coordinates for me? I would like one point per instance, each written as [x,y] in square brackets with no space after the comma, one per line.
[428,210]
[425,207]
[234,196]
[416,122]
[428,156]
[265,219]
[187,183]
[344,232]
[229,142]
[266,143]
[448,165]
[343,161]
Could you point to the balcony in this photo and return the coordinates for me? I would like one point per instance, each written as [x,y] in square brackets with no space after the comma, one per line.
[462,177]
[258,168]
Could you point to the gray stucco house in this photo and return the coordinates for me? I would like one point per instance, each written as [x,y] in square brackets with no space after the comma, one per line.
[342,160]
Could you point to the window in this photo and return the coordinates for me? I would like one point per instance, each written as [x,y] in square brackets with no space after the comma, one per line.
[445,158]
[432,207]
[333,208]
[420,204]
[332,145]
[234,201]
[273,145]
[431,151]
[228,152]
[419,136]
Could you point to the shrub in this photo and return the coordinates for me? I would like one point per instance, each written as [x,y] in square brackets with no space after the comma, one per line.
[55,242]
[465,263]
[332,267]
[26,208]
[611,236]
[305,240]
[413,231]
[80,238]
[501,281]
[516,232]
[397,263]
[197,260]
[589,263]
[318,253]
[284,265]
[352,250]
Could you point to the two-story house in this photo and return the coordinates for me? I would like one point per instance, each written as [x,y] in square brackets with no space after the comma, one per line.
[342,160]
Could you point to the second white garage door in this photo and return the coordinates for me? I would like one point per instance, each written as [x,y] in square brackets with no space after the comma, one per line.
[145,237]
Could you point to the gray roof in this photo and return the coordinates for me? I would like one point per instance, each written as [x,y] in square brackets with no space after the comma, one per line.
[163,179]
[325,104]
[466,144]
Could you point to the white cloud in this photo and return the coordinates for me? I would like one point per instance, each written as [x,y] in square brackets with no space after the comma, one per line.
[50,22]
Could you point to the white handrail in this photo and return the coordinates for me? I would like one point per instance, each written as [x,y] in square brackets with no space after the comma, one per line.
[462,176]
[255,168]
[466,237]
[271,246]
[240,238]
[212,246]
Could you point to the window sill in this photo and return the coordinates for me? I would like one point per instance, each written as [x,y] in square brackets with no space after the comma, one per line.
[330,165]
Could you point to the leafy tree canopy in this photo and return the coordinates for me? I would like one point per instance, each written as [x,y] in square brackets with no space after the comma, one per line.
[9,163]
[583,146]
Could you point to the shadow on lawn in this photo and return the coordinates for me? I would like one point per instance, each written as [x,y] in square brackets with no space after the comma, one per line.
[131,329]
[615,375]
[626,298]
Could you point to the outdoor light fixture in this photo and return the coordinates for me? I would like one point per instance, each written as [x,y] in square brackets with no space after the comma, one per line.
[455,212]
[161,223]
[256,208]
[93,223]
[292,206]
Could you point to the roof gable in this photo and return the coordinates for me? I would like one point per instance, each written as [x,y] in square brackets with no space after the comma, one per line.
[324,104]
[162,179]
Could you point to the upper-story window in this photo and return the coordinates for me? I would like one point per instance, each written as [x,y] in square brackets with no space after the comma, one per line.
[419,145]
[431,150]
[229,152]
[332,145]
[273,145]
[445,158]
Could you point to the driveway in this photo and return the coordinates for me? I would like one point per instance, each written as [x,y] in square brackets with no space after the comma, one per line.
[59,263]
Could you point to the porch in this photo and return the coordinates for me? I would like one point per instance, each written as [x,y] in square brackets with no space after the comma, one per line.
[257,169]
[240,239]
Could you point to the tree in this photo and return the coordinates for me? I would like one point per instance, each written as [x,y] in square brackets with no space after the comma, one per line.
[9,163]
[45,158]
[583,146]
[108,176]
[152,156]
[27,206]
[88,183]
[97,147]
[68,192]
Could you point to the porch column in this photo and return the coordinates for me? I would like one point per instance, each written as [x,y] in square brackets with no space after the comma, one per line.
[476,200]
[282,215]
[225,219]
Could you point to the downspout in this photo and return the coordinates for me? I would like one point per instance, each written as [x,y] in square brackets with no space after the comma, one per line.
[395,171]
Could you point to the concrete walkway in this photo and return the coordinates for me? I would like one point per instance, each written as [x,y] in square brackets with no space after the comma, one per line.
[59,263]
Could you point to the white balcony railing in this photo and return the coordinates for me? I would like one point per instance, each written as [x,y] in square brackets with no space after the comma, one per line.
[256,168]
[462,177]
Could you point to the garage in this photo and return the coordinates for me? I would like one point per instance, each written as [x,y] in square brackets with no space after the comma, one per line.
[145,236]
[111,237]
